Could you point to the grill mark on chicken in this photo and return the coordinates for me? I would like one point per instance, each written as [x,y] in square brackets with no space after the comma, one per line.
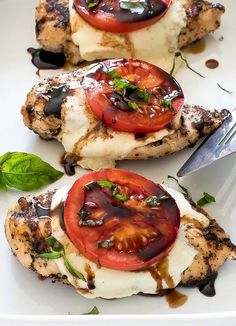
[212,243]
[188,133]
[198,6]
[56,12]
[54,34]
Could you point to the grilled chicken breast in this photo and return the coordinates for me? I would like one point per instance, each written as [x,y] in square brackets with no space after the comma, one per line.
[205,247]
[56,109]
[53,28]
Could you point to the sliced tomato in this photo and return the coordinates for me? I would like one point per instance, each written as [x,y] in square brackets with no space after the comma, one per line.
[115,226]
[110,15]
[149,101]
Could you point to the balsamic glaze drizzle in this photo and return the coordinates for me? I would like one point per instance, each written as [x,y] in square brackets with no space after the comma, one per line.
[40,210]
[56,96]
[207,286]
[46,60]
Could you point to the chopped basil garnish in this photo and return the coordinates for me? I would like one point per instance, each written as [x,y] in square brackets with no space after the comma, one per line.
[126,86]
[54,244]
[105,183]
[72,269]
[135,7]
[185,190]
[57,248]
[102,183]
[92,3]
[206,199]
[179,54]
[51,255]
[224,89]
[83,213]
[143,95]
[152,201]
[115,190]
[91,222]
[133,105]
[94,311]
[58,253]
[25,171]
[167,105]
[121,197]
[105,244]
[113,74]
[122,84]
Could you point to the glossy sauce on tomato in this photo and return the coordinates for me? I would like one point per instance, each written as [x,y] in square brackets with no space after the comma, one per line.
[121,16]
[121,220]
[132,95]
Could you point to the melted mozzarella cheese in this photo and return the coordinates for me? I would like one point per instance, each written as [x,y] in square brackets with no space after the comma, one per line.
[98,145]
[156,43]
[116,284]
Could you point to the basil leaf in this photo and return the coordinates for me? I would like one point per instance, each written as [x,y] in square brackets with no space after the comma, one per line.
[7,156]
[113,74]
[185,190]
[54,244]
[105,244]
[179,54]
[100,183]
[126,87]
[105,183]
[206,199]
[133,105]
[133,7]
[94,311]
[51,255]
[143,95]
[167,105]
[50,241]
[122,83]
[224,89]
[115,190]
[72,270]
[2,184]
[152,201]
[26,171]
[121,197]
[92,3]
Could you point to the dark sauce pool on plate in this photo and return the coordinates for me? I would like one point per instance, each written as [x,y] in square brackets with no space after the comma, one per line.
[212,64]
[46,60]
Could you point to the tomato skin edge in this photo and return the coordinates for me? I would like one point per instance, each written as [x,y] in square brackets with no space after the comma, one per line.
[72,202]
[133,122]
[110,24]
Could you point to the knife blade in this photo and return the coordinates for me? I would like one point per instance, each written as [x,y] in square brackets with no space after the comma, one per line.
[218,145]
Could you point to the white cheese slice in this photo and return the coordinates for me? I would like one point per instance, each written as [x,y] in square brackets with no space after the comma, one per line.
[116,284]
[156,43]
[98,145]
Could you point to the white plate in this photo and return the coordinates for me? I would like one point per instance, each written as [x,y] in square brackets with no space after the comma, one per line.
[24,300]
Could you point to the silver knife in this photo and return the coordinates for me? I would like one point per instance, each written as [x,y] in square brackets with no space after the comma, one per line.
[220,144]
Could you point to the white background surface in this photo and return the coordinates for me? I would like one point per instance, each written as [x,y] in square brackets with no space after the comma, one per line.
[21,293]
